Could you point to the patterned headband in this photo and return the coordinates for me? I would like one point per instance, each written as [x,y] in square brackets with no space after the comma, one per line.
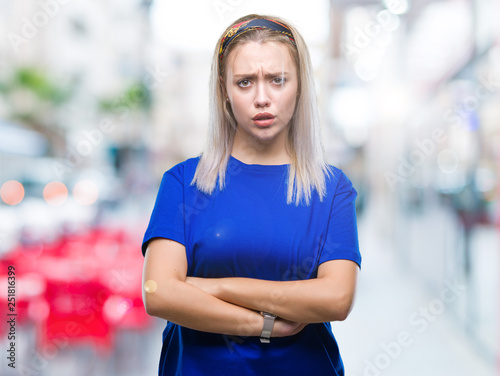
[254,24]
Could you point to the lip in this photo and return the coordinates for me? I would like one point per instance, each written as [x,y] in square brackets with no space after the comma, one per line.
[264,119]
[263,116]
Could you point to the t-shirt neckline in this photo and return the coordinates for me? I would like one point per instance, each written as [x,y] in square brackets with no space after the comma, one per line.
[259,167]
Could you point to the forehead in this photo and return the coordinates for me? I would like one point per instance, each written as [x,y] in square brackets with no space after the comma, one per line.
[252,56]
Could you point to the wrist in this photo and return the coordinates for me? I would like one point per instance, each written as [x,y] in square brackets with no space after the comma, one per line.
[267,327]
[250,324]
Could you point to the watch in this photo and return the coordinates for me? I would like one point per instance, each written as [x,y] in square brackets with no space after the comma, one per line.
[268,327]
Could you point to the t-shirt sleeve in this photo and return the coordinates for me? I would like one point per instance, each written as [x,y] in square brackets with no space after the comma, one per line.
[342,233]
[167,219]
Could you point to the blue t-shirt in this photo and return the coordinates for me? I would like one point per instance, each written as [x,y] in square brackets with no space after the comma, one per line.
[248,230]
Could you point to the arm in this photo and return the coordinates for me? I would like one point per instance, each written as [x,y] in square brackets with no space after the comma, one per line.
[329,297]
[167,295]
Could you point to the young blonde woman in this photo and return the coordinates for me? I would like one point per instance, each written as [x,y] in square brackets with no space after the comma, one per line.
[252,250]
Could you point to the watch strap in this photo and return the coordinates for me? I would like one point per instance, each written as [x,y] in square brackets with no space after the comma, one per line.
[268,327]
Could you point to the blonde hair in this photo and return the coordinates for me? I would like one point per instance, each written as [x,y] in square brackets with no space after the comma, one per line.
[308,166]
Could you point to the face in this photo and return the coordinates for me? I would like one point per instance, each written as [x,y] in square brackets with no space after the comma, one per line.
[261,84]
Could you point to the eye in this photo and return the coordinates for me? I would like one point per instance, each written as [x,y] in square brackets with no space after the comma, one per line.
[243,83]
[279,80]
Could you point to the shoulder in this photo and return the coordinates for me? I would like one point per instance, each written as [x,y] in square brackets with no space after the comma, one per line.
[184,171]
[337,181]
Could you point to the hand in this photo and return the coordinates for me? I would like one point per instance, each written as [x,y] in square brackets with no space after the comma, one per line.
[285,328]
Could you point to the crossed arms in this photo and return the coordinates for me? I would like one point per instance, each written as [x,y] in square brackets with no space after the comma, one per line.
[231,305]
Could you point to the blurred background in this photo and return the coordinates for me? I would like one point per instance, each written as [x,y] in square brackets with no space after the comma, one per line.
[99,98]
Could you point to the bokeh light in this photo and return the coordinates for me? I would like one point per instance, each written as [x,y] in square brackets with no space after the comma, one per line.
[150,286]
[12,192]
[85,192]
[55,193]
[115,308]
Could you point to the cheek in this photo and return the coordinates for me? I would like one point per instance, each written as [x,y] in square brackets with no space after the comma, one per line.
[237,104]
[288,102]
[240,106]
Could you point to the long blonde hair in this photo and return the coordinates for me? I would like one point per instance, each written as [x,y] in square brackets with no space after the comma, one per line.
[308,167]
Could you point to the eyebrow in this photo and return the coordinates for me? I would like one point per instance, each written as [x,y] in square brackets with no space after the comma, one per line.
[254,75]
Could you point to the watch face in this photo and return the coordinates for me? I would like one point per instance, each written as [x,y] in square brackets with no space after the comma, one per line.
[268,314]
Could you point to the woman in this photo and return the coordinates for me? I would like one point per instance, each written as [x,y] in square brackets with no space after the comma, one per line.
[252,250]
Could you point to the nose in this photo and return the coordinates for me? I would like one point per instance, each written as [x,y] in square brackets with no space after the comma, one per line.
[261,96]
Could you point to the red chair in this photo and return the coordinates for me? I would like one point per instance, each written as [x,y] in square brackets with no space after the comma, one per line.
[76,316]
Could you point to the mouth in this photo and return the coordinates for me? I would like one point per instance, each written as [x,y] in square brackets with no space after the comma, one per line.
[264,119]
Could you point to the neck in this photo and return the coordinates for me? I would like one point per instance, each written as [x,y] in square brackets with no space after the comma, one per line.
[254,152]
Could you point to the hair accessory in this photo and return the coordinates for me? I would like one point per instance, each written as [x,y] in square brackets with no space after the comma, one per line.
[254,24]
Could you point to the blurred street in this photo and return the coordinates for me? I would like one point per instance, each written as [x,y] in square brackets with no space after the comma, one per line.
[398,327]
